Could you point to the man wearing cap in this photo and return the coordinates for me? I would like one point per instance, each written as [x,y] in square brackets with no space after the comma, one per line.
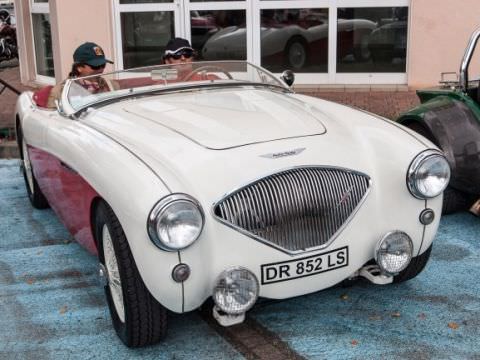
[88,59]
[178,51]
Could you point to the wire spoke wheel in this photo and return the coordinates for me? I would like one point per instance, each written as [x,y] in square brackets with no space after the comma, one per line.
[297,55]
[138,318]
[114,281]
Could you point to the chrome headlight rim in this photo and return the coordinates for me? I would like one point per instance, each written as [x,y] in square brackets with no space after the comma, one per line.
[159,208]
[222,275]
[378,249]
[416,164]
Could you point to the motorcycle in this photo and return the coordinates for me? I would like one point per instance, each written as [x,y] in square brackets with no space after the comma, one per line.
[8,38]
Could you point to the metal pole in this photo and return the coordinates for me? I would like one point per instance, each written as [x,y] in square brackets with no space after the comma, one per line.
[8,86]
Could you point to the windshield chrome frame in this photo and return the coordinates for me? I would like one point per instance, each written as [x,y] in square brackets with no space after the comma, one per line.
[467,57]
[66,109]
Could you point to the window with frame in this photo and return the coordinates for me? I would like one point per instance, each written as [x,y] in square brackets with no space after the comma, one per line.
[42,39]
[322,41]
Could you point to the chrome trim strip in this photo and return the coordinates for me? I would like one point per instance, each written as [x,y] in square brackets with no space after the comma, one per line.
[291,190]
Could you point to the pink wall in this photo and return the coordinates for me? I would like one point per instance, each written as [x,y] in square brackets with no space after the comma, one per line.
[439,32]
[75,22]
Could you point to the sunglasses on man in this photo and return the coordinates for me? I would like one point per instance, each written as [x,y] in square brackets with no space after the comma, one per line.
[186,53]
[98,67]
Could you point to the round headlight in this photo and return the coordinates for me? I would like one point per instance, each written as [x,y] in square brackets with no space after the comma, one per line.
[175,222]
[236,290]
[394,252]
[428,174]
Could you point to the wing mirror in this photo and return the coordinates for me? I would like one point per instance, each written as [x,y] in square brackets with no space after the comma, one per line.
[288,77]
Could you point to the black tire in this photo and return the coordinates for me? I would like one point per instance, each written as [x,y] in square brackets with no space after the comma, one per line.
[145,319]
[361,51]
[415,267]
[35,195]
[296,53]
[453,200]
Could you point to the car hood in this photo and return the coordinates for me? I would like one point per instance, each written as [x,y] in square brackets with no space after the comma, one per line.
[230,118]
[352,140]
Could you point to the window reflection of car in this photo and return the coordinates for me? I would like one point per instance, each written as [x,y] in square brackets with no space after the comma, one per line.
[389,41]
[144,37]
[146,29]
[309,17]
[292,45]
[202,27]
[201,24]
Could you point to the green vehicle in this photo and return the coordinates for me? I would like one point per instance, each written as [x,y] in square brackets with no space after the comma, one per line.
[449,116]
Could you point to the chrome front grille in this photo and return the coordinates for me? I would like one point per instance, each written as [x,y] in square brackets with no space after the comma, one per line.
[295,210]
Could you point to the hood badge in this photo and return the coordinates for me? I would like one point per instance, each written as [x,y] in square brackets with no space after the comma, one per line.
[283,153]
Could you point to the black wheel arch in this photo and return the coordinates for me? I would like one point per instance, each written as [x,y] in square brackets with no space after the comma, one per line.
[93,210]
[455,129]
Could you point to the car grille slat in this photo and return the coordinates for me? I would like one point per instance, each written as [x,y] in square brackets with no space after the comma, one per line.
[295,210]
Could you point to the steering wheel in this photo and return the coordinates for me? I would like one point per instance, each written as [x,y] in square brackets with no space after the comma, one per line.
[210,68]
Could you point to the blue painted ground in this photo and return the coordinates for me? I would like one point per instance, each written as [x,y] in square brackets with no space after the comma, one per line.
[434,316]
[51,306]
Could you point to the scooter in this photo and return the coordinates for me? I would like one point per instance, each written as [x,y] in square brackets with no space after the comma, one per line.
[8,38]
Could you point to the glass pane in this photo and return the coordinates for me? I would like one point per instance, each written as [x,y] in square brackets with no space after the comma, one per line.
[219,34]
[144,37]
[295,39]
[144,1]
[372,39]
[40,1]
[42,39]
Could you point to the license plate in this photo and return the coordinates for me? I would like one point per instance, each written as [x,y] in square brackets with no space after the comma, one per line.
[307,266]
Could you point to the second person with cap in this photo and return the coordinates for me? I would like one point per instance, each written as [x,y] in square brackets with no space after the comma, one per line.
[88,59]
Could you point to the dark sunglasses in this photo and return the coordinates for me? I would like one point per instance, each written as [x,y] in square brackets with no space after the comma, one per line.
[186,53]
[98,67]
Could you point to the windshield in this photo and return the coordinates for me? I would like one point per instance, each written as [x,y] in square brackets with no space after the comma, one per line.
[83,92]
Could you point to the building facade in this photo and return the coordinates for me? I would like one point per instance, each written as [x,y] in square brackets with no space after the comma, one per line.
[328,43]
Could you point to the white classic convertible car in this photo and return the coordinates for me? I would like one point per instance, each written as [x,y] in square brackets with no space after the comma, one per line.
[216,180]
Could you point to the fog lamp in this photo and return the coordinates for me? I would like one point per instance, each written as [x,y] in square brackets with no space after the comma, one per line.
[394,252]
[236,290]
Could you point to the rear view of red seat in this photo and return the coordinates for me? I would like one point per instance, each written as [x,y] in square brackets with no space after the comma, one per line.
[40,97]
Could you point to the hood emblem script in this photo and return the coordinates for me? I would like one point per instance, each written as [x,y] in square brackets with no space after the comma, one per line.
[283,153]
